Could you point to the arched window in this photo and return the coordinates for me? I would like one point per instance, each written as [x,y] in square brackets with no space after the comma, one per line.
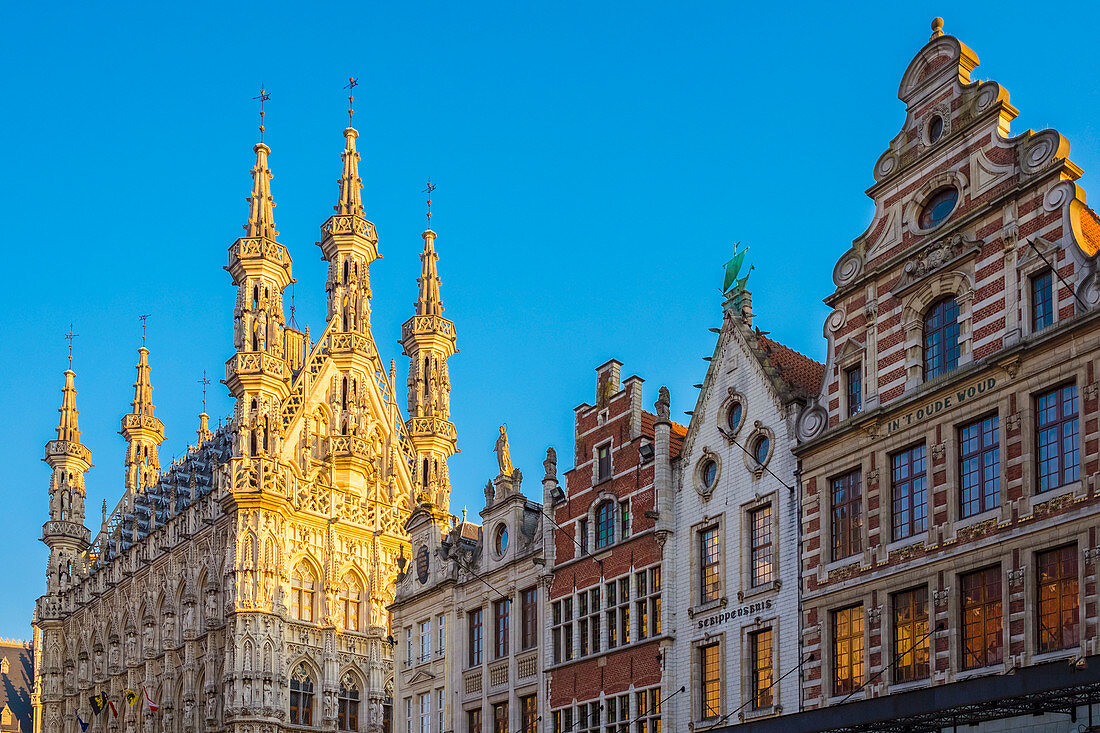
[348,718]
[941,337]
[349,603]
[302,589]
[605,524]
[301,696]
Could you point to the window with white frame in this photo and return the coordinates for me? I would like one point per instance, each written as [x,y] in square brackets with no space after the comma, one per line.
[561,616]
[617,597]
[441,624]
[647,601]
[425,641]
[588,628]
[618,714]
[425,705]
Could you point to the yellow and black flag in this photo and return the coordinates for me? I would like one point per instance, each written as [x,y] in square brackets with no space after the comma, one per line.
[99,702]
[131,696]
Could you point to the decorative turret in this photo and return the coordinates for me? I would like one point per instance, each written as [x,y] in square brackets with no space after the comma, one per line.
[429,340]
[143,432]
[349,244]
[69,459]
[258,375]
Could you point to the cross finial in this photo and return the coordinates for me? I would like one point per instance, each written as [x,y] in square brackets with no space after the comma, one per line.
[142,318]
[428,190]
[205,383]
[69,337]
[263,97]
[352,83]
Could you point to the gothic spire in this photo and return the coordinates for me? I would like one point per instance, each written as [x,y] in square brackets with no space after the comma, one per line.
[261,217]
[143,390]
[351,185]
[67,427]
[429,303]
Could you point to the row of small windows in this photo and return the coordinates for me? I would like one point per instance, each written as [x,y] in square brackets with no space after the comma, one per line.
[981,634]
[1057,463]
[501,639]
[616,714]
[599,618]
[759,655]
[761,554]
[303,597]
[941,346]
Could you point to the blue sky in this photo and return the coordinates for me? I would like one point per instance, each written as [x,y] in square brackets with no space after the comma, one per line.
[595,162]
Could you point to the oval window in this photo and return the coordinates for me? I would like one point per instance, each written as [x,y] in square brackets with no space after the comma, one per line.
[760,450]
[736,412]
[940,205]
[935,128]
[502,539]
[710,474]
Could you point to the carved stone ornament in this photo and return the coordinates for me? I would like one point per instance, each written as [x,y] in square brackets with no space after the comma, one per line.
[935,257]
[1016,577]
[941,596]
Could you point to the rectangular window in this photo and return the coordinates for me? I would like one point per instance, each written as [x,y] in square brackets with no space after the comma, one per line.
[853,376]
[981,618]
[618,714]
[439,709]
[618,612]
[907,478]
[582,530]
[710,681]
[408,715]
[563,721]
[501,611]
[847,649]
[441,623]
[425,713]
[473,721]
[1042,301]
[588,717]
[529,619]
[561,633]
[409,656]
[477,631]
[761,554]
[530,707]
[648,719]
[603,462]
[1059,457]
[1059,626]
[847,514]
[979,466]
[624,519]
[760,651]
[500,718]
[425,641]
[709,557]
[911,642]
[647,604]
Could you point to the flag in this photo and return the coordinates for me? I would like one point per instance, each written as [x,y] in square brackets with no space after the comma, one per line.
[131,696]
[83,725]
[149,701]
[113,708]
[98,702]
[733,267]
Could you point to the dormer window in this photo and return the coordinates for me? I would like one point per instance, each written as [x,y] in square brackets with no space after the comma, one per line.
[938,207]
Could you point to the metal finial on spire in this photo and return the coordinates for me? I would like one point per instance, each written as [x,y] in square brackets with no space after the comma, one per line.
[143,318]
[263,97]
[428,190]
[293,323]
[352,83]
[205,383]
[69,337]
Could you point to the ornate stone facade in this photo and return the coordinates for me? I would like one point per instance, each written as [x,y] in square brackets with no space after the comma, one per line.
[245,588]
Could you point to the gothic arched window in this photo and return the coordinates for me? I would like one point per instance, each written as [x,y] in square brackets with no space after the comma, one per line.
[302,590]
[605,524]
[349,704]
[301,696]
[349,603]
[941,337]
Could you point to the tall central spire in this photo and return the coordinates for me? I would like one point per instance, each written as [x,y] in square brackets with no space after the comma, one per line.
[143,432]
[143,390]
[351,185]
[261,214]
[429,303]
[67,427]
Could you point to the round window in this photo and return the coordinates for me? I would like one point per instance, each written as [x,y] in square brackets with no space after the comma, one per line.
[710,474]
[502,539]
[940,204]
[935,128]
[736,412]
[760,449]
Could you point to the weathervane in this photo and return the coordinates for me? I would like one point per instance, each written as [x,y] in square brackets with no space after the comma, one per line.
[352,83]
[69,337]
[205,383]
[142,319]
[428,190]
[263,97]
